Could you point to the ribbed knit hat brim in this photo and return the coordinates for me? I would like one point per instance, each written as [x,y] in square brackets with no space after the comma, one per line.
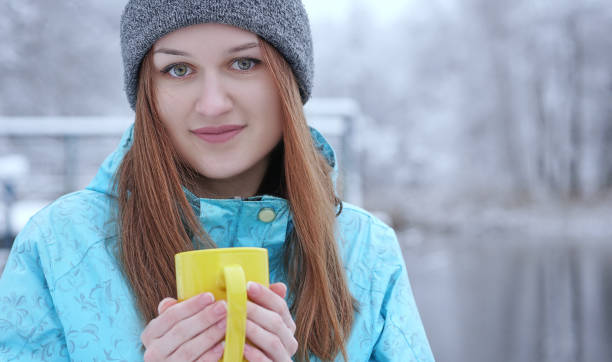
[282,23]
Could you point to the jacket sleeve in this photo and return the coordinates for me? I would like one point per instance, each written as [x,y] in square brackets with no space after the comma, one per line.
[29,326]
[403,337]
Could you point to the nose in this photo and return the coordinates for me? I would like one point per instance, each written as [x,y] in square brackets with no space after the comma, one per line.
[214,99]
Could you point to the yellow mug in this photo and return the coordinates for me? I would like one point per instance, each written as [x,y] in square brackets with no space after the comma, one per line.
[223,272]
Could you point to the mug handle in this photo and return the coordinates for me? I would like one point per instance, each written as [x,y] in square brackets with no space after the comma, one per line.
[235,330]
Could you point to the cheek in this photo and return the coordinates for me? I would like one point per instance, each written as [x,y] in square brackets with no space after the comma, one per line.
[166,100]
[172,107]
[265,100]
[273,105]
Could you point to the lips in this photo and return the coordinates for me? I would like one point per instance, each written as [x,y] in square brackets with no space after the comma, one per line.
[218,134]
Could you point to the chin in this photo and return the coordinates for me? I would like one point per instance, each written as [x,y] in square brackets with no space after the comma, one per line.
[219,173]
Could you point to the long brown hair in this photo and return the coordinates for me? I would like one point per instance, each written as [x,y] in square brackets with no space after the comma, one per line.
[156,221]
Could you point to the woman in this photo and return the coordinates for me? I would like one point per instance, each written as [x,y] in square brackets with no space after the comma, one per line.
[219,156]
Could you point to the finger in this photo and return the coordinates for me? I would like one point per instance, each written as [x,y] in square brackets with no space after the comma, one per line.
[213,354]
[280,289]
[165,304]
[267,343]
[207,341]
[253,354]
[270,300]
[272,322]
[174,314]
[189,328]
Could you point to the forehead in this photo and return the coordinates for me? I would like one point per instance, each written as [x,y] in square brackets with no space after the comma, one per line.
[206,35]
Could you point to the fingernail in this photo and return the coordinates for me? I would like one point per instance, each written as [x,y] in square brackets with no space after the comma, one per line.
[253,288]
[207,298]
[162,304]
[220,308]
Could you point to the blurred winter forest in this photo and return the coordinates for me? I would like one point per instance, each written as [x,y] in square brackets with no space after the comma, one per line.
[486,142]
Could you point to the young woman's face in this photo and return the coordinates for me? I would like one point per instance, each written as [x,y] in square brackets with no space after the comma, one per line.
[220,105]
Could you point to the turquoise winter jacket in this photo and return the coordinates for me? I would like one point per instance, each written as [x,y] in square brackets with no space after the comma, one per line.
[63,296]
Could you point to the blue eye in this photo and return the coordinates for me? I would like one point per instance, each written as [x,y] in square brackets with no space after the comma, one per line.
[178,70]
[245,64]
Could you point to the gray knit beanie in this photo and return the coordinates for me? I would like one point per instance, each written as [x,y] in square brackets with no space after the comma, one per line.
[282,23]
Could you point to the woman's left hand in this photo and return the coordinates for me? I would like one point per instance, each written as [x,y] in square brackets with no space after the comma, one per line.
[269,326]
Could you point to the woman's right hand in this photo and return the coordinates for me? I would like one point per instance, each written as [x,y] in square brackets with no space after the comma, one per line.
[192,330]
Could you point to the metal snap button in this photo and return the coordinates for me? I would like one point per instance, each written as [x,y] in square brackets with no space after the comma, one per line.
[266,215]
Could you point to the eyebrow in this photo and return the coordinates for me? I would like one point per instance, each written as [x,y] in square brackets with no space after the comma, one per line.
[185,54]
[243,47]
[172,52]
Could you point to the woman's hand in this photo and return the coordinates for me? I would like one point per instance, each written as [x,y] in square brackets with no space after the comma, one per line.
[187,331]
[269,327]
